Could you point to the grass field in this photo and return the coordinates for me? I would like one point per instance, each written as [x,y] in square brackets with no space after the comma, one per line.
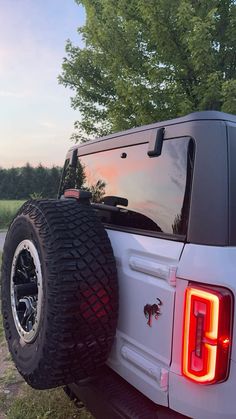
[19,401]
[7,211]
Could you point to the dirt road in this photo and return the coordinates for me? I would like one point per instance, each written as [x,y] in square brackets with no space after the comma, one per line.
[2,239]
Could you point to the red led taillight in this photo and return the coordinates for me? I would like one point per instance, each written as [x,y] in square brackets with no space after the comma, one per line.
[207,334]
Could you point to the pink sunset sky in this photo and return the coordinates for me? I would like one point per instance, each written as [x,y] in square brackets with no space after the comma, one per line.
[36,120]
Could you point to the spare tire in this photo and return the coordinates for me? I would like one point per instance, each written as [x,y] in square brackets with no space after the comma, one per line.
[59,292]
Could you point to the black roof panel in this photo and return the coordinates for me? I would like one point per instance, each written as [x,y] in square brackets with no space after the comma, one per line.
[194,116]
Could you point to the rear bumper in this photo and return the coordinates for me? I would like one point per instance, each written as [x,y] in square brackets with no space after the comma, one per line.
[110,396]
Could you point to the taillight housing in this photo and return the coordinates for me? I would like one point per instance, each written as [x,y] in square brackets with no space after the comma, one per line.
[207,334]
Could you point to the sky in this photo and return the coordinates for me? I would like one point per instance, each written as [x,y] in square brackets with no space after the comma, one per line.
[36,120]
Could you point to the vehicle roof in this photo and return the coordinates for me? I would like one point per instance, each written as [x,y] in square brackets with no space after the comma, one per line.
[194,116]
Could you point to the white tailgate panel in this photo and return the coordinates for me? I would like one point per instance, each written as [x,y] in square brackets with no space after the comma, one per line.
[146,270]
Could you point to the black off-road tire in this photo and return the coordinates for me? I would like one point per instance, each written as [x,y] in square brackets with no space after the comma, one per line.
[79,306]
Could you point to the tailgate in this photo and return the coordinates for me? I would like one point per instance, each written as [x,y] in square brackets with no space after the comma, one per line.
[142,350]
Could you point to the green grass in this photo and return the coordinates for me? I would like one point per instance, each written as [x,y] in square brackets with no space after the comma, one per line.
[19,401]
[45,404]
[8,210]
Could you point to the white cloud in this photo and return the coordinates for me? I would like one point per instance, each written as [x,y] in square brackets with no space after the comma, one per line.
[36,120]
[17,95]
[48,124]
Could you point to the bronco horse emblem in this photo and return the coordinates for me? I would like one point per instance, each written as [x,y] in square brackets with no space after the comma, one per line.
[151,310]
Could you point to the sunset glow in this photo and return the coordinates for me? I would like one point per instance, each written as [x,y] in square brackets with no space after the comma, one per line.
[36,120]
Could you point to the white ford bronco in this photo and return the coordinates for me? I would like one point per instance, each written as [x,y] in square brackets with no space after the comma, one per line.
[123,289]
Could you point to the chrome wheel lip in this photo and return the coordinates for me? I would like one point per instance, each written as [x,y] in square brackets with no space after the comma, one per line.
[28,245]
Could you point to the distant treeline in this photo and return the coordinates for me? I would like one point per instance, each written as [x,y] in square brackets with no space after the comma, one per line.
[25,182]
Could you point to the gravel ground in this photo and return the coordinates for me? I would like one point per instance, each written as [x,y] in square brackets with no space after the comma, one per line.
[2,239]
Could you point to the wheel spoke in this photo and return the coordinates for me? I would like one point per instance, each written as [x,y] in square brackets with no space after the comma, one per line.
[25,290]
[29,313]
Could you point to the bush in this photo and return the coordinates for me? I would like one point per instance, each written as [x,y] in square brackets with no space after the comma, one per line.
[8,210]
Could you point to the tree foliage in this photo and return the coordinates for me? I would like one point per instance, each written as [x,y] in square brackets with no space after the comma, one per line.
[152,60]
[25,182]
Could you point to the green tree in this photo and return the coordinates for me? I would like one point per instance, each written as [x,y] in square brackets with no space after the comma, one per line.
[25,182]
[145,61]
[54,176]
[73,177]
[98,190]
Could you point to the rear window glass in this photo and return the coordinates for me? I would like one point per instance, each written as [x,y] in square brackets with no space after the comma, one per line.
[152,194]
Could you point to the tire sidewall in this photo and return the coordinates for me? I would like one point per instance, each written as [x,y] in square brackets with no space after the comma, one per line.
[79,309]
[25,355]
